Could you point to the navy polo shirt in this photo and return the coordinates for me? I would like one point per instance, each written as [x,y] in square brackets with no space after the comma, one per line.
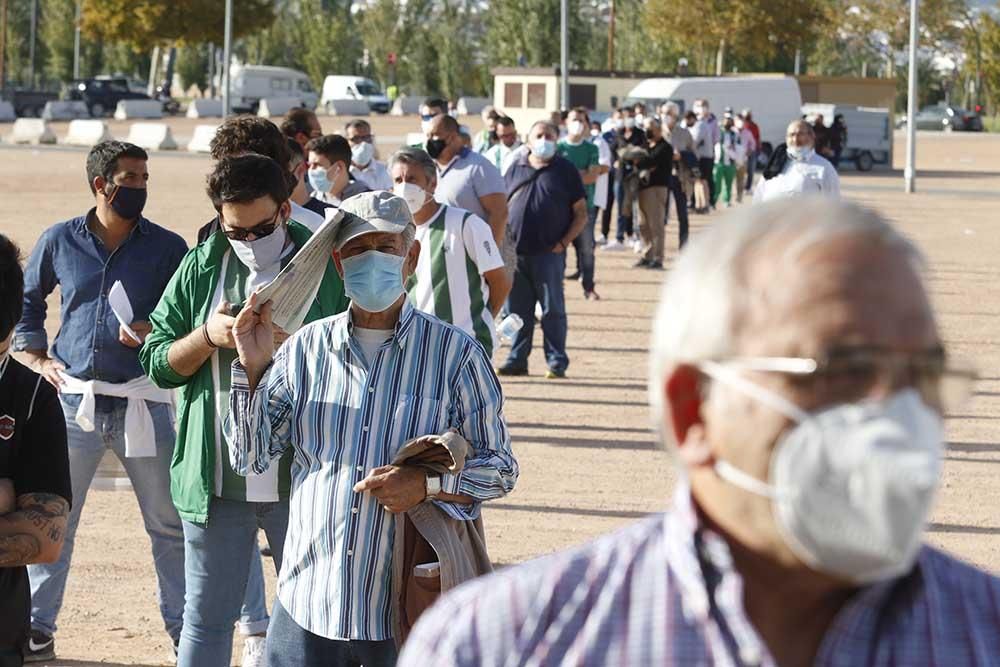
[540,213]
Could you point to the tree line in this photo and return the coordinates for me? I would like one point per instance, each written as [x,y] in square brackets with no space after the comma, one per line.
[449,46]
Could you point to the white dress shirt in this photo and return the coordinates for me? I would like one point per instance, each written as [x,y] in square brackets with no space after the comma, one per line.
[812,175]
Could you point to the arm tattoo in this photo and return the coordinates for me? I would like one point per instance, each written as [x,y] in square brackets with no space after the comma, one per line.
[46,514]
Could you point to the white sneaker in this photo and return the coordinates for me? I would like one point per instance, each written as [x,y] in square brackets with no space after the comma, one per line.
[601,239]
[637,247]
[254,651]
[613,246]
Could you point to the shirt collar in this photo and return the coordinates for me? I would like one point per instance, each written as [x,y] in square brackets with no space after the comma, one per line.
[81,223]
[400,332]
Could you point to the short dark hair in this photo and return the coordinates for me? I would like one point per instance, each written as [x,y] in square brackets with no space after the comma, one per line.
[436,103]
[11,286]
[690,114]
[506,121]
[102,160]
[450,124]
[583,110]
[295,148]
[333,147]
[250,134]
[493,115]
[358,123]
[296,121]
[244,178]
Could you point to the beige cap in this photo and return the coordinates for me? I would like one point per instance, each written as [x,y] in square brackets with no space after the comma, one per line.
[372,212]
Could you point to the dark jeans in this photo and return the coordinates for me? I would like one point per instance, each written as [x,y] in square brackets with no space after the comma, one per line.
[539,279]
[289,645]
[606,211]
[584,245]
[751,168]
[680,203]
[624,221]
[706,166]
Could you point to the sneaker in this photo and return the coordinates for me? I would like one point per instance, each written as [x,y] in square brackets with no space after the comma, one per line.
[656,266]
[641,264]
[592,295]
[254,651]
[601,239]
[39,647]
[637,247]
[573,276]
[613,246]
[553,374]
[510,371]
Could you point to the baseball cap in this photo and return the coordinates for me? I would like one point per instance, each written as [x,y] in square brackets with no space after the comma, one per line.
[371,212]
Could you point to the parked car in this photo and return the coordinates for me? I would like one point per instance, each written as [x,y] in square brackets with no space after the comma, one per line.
[251,83]
[102,95]
[946,119]
[28,103]
[339,87]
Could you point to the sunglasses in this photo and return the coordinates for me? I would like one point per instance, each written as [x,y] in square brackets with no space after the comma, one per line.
[257,231]
[427,116]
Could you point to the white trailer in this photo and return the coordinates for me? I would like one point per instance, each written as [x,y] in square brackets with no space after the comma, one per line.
[869,132]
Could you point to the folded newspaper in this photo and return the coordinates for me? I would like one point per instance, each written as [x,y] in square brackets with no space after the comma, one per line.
[294,289]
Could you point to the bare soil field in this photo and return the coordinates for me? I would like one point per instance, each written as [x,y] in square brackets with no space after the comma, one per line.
[589,461]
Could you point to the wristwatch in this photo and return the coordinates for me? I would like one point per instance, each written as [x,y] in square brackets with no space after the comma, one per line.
[432,486]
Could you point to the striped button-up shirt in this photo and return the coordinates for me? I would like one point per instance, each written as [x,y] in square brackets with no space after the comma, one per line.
[342,418]
[664,592]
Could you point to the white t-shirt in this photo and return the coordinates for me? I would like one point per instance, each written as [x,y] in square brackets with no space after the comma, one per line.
[604,159]
[812,176]
[370,341]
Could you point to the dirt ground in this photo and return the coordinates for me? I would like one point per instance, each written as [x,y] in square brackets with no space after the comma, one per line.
[588,459]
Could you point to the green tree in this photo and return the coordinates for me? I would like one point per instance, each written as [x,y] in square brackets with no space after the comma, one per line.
[56,33]
[326,40]
[989,36]
[192,66]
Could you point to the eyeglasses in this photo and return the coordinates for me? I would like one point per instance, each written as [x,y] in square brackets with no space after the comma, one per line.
[852,374]
[428,116]
[258,231]
[368,138]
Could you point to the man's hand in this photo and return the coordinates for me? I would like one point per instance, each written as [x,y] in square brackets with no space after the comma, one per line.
[280,336]
[559,248]
[397,488]
[46,366]
[140,327]
[220,327]
[253,334]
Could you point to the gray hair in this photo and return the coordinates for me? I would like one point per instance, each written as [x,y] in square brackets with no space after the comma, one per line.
[548,126]
[672,108]
[416,157]
[702,299]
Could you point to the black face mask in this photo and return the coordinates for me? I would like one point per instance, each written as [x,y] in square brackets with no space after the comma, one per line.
[128,202]
[435,147]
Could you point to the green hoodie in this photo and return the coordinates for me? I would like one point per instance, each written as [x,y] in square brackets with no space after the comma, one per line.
[184,307]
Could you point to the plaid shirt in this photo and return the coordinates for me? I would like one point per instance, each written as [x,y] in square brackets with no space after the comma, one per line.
[664,592]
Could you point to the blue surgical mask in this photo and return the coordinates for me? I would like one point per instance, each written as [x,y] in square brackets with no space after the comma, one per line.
[543,149]
[373,280]
[320,180]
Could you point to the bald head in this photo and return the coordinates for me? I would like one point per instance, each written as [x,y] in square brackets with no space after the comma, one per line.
[800,134]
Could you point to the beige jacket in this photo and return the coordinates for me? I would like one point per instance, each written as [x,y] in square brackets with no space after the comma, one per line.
[425,534]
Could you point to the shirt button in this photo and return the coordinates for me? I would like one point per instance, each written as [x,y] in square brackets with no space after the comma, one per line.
[361,468]
[350,552]
[371,390]
[354,510]
[365,429]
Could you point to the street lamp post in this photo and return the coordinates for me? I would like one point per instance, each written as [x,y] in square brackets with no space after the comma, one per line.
[226,57]
[910,173]
[564,54]
[76,42]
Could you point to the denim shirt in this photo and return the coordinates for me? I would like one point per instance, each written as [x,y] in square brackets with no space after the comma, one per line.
[70,256]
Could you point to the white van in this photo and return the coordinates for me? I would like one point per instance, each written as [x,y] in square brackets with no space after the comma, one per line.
[250,83]
[339,87]
[775,101]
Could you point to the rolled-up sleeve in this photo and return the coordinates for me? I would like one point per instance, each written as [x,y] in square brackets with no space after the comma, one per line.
[490,470]
[39,281]
[258,423]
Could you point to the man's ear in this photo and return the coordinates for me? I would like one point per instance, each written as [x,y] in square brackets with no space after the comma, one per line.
[683,401]
[411,259]
[300,171]
[99,186]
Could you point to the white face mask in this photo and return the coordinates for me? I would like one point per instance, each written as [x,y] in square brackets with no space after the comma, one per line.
[414,195]
[261,254]
[851,485]
[361,154]
[575,128]
[800,153]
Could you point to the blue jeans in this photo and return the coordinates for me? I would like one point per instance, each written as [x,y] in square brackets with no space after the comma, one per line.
[584,245]
[217,564]
[290,645]
[539,279]
[680,202]
[150,477]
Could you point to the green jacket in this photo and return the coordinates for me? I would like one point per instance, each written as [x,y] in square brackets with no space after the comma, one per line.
[183,308]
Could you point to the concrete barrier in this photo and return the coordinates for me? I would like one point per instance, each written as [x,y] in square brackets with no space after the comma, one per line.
[7,114]
[152,136]
[204,109]
[405,106]
[129,109]
[271,107]
[415,139]
[87,133]
[65,110]
[31,131]
[202,139]
[347,107]
[472,105]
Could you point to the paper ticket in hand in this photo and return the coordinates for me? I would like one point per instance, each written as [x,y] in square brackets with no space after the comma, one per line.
[122,308]
[294,289]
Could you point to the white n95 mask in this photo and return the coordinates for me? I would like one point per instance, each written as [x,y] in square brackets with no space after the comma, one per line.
[414,195]
[851,485]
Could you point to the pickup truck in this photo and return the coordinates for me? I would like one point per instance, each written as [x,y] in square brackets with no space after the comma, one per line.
[29,103]
[101,95]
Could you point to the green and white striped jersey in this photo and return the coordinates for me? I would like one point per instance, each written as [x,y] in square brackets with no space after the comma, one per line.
[236,283]
[456,249]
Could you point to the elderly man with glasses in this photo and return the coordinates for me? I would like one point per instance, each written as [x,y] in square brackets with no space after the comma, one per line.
[365,165]
[799,377]
[191,348]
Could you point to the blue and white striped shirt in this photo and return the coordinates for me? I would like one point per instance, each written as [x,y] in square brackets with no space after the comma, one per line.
[343,418]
